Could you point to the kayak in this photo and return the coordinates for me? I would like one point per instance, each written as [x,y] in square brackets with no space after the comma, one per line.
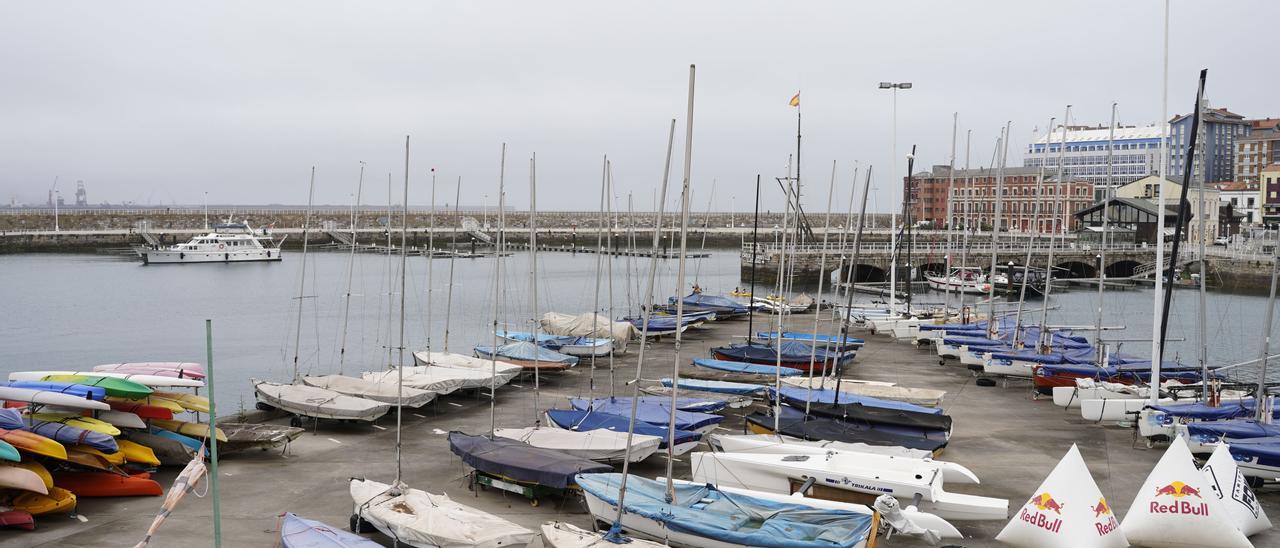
[89,460]
[121,419]
[193,429]
[9,453]
[35,468]
[136,453]
[153,381]
[79,421]
[12,477]
[115,459]
[33,443]
[168,405]
[101,484]
[17,519]
[74,389]
[48,397]
[142,410]
[122,388]
[167,451]
[70,435]
[296,532]
[188,441]
[190,402]
[179,370]
[58,501]
[11,419]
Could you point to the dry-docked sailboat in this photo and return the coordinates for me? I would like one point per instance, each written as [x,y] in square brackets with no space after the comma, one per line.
[418,518]
[785,445]
[432,379]
[559,534]
[303,400]
[919,396]
[502,372]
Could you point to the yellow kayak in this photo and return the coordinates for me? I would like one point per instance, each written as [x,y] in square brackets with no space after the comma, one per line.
[190,402]
[58,501]
[137,453]
[86,459]
[193,429]
[116,459]
[171,405]
[35,468]
[79,421]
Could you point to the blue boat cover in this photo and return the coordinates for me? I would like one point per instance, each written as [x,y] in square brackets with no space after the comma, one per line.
[827,395]
[704,511]
[744,367]
[1265,450]
[700,405]
[1130,371]
[972,340]
[520,461]
[296,532]
[11,419]
[527,351]
[650,413]
[792,351]
[84,391]
[70,435]
[583,421]
[801,336]
[1233,429]
[714,302]
[660,323]
[722,387]
[1201,411]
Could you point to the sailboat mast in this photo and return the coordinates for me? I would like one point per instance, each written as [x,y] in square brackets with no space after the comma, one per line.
[595,304]
[612,215]
[755,233]
[1060,186]
[533,278]
[646,314]
[1260,410]
[453,258]
[995,229]
[1018,342]
[302,273]
[684,247]
[782,262]
[430,255]
[1182,216]
[853,267]
[1157,341]
[822,275]
[908,220]
[951,184]
[351,263]
[1102,251]
[404,258]
[497,294]
[1201,214]
[968,206]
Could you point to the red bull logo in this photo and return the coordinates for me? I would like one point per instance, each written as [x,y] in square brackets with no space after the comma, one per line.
[1043,504]
[1179,491]
[1104,526]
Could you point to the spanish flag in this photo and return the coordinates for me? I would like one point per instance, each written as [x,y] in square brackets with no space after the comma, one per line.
[795,101]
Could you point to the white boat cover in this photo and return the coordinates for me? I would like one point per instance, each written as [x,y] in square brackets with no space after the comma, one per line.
[471,378]
[590,325]
[1066,511]
[419,518]
[434,379]
[597,445]
[1174,507]
[1232,490]
[558,534]
[506,370]
[319,403]
[777,444]
[918,396]
[384,392]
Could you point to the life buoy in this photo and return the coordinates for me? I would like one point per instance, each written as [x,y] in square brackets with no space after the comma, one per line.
[222,246]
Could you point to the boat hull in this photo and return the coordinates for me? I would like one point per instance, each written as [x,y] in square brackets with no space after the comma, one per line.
[167,256]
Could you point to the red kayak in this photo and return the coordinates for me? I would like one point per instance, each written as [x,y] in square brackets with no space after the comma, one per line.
[103,484]
[142,410]
[17,519]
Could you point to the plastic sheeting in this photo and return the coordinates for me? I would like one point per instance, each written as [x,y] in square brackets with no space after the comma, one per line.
[707,512]
[520,461]
[589,325]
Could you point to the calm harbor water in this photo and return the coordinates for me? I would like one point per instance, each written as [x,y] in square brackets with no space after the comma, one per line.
[65,311]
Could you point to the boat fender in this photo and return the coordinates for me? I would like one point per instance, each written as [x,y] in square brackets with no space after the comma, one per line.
[182,256]
[268,254]
[891,513]
[226,256]
[222,246]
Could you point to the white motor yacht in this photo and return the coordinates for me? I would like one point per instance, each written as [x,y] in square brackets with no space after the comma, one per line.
[227,243]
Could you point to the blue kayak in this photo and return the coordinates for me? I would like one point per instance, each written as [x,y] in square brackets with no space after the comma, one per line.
[697,405]
[296,532]
[722,387]
[83,391]
[11,419]
[70,435]
[9,452]
[584,421]
[744,367]
[651,413]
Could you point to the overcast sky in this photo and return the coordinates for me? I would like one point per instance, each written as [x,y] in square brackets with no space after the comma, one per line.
[160,102]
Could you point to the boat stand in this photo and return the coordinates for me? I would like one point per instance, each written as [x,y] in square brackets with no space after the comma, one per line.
[531,491]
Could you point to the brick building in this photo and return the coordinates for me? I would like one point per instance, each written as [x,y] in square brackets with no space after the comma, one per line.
[1258,149]
[974,197]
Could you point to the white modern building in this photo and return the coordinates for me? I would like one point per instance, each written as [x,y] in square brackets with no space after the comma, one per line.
[1095,155]
[1243,198]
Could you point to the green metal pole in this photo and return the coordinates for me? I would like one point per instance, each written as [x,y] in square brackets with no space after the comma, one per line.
[213,438]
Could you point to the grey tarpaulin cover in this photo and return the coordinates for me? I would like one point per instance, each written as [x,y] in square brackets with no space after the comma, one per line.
[520,461]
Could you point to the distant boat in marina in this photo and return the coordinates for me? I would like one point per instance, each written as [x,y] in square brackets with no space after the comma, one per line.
[227,243]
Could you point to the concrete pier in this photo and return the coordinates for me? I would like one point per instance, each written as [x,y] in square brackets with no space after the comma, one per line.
[1008,438]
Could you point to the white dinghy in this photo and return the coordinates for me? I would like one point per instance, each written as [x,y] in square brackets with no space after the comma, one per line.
[1066,511]
[1174,507]
[422,519]
[309,401]
[598,445]
[775,444]
[449,360]
[558,534]
[1229,486]
[377,391]
[904,479]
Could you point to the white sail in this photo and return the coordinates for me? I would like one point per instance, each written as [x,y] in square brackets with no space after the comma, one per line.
[1175,507]
[1232,490]
[1066,511]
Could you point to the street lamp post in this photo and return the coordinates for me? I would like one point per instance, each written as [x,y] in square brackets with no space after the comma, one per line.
[57,197]
[893,175]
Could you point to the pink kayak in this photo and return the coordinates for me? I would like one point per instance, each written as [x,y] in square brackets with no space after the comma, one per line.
[179,370]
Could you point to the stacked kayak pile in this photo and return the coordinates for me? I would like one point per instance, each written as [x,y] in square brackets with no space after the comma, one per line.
[65,435]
